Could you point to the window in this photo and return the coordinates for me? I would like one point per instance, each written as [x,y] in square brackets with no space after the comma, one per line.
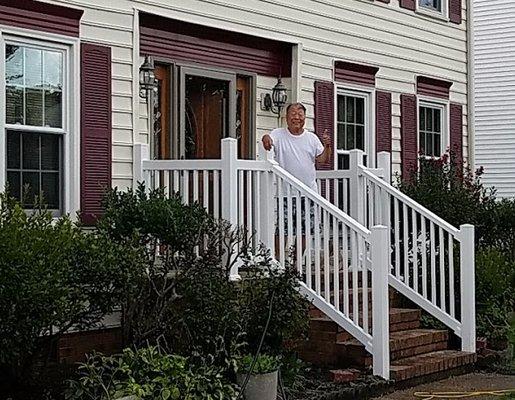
[35,122]
[432,135]
[352,125]
[432,5]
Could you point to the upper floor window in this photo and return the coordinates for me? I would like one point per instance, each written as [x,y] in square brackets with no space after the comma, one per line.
[35,116]
[433,5]
[432,129]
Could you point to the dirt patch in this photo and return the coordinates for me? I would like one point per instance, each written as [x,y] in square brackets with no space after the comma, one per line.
[466,383]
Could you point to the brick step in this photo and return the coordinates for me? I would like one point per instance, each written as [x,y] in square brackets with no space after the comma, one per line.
[430,363]
[403,344]
[392,297]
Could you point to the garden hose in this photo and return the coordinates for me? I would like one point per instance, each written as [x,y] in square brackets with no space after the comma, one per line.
[462,395]
[247,377]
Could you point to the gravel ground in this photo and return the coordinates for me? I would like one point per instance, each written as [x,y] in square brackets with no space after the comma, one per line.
[465,383]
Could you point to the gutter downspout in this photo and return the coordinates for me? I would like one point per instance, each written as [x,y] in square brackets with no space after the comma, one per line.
[471,115]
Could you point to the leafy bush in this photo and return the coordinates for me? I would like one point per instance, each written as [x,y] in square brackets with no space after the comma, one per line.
[147,374]
[264,364]
[53,277]
[500,227]
[495,297]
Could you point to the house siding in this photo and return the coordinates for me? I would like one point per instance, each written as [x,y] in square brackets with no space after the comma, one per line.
[400,42]
[494,66]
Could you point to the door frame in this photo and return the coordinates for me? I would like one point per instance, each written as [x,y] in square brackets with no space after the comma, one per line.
[184,70]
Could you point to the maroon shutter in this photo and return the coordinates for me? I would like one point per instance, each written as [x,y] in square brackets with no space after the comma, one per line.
[95,128]
[383,121]
[324,115]
[30,14]
[409,4]
[456,132]
[455,11]
[409,119]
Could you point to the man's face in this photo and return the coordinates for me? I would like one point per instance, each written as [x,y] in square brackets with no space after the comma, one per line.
[295,118]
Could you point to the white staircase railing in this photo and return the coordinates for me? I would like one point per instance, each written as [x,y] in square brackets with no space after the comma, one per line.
[431,262]
[343,266]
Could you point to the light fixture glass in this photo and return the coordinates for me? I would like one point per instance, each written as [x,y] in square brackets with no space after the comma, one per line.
[147,78]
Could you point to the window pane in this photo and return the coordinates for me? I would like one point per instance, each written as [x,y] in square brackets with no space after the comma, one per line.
[13,150]
[360,138]
[33,70]
[341,109]
[437,120]
[53,70]
[340,142]
[343,161]
[30,187]
[30,151]
[422,142]
[14,105]
[13,65]
[360,110]
[14,183]
[34,107]
[350,109]
[429,144]
[53,101]
[350,137]
[50,152]
[422,119]
[50,189]
[437,146]
[429,119]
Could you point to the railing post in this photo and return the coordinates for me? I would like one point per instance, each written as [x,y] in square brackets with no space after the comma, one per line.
[140,153]
[266,198]
[384,162]
[380,304]
[468,287]
[230,189]
[357,199]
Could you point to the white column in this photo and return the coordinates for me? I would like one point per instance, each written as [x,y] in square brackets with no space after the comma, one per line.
[380,304]
[384,162]
[230,189]
[357,201]
[140,154]
[468,288]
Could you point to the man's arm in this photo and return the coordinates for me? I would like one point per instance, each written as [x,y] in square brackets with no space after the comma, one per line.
[267,142]
[326,155]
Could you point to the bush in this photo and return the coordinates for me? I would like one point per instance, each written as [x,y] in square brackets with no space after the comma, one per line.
[495,297]
[264,364]
[54,277]
[147,374]
[500,227]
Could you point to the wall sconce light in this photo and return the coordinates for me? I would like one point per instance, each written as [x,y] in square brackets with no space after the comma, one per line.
[277,100]
[147,79]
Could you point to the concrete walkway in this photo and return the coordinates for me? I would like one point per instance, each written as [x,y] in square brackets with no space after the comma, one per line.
[465,383]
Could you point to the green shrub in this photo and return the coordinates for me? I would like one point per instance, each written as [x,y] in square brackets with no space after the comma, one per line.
[500,227]
[54,277]
[264,364]
[147,374]
[495,297]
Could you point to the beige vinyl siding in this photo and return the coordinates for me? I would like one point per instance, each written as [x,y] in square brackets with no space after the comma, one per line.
[400,42]
[494,47]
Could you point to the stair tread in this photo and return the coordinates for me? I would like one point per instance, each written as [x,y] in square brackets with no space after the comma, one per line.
[403,335]
[393,311]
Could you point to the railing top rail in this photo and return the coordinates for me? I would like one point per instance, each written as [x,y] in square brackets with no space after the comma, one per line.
[412,203]
[253,165]
[181,165]
[334,174]
[315,197]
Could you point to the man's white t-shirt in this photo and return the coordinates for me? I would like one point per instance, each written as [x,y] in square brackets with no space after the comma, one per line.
[297,153]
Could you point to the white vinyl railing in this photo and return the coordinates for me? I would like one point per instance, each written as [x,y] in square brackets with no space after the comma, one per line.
[342,265]
[431,262]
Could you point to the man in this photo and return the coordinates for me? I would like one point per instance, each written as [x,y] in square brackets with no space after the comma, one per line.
[297,149]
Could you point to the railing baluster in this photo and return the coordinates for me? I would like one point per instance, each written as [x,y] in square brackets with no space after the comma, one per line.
[364,284]
[195,186]
[452,301]
[354,266]
[299,231]
[397,239]
[289,220]
[308,205]
[336,264]
[405,246]
[424,256]
[216,194]
[280,222]
[433,262]
[241,194]
[327,275]
[441,250]
[186,187]
[205,190]
[250,204]
[317,249]
[345,256]
[256,200]
[414,246]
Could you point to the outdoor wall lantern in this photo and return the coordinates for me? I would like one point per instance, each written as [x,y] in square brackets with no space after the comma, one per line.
[147,79]
[277,100]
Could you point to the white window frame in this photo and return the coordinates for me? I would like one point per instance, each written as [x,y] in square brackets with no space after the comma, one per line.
[444,14]
[368,94]
[442,105]
[70,178]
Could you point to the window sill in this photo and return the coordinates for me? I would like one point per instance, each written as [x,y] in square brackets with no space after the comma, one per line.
[432,14]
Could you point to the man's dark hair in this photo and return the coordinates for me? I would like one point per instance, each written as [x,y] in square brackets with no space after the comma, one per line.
[296,105]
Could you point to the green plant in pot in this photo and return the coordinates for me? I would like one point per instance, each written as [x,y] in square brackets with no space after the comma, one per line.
[258,376]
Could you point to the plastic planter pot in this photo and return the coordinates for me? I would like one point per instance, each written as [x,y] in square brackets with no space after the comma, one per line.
[259,387]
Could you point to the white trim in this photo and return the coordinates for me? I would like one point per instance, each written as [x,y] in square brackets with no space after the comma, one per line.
[442,15]
[443,105]
[71,108]
[367,93]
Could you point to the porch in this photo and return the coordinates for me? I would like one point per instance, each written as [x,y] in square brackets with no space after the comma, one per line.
[352,243]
